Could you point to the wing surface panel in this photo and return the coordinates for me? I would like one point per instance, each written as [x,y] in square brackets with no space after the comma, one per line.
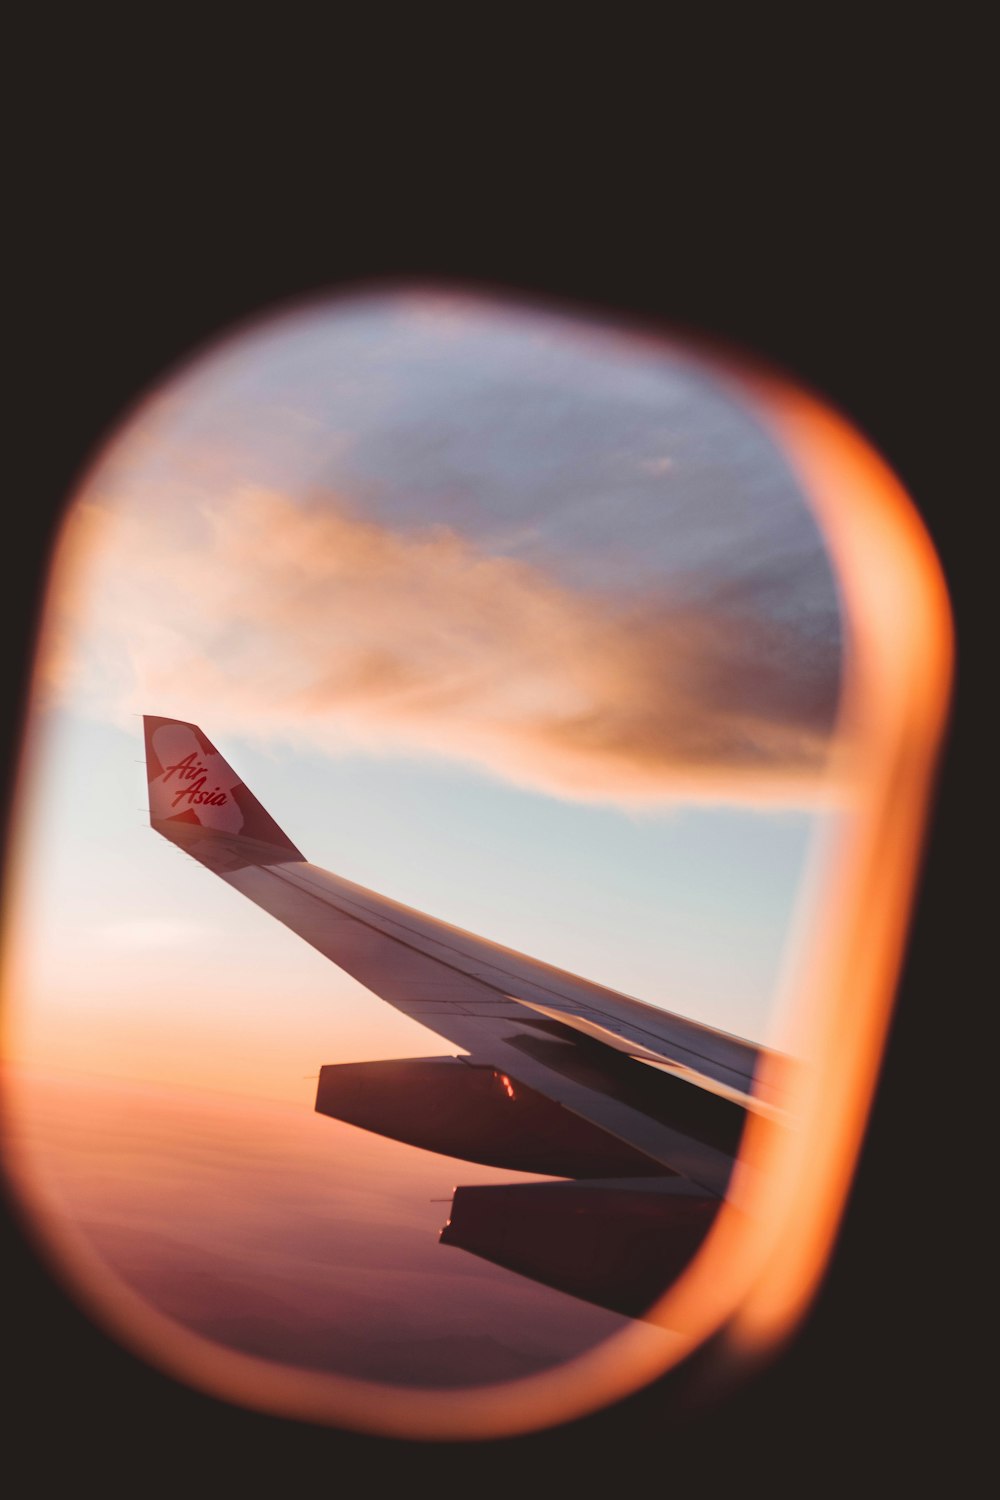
[728,1060]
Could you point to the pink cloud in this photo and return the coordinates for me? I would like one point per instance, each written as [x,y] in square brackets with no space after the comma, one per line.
[260,615]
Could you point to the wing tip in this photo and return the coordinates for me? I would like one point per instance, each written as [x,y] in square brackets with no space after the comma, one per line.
[190,782]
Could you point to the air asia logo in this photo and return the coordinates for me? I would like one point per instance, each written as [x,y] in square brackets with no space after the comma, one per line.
[196,784]
[193,773]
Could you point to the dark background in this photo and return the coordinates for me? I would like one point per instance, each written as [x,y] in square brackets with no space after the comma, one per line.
[812,195]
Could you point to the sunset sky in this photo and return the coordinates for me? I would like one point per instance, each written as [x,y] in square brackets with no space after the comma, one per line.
[522,622]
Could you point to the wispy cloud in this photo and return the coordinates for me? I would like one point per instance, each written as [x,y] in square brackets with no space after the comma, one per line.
[262,616]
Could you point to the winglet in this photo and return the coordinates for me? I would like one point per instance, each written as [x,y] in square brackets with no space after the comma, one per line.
[190,783]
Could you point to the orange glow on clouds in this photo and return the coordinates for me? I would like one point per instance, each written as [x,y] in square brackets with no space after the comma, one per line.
[309,623]
[282,1233]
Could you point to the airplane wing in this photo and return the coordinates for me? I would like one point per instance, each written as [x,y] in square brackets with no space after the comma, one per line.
[560,1076]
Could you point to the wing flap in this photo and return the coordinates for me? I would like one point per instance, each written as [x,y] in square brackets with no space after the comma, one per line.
[616,1244]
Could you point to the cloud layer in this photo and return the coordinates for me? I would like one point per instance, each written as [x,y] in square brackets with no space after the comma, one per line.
[259,615]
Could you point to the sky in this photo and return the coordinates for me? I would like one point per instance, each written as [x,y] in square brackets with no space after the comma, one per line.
[514,618]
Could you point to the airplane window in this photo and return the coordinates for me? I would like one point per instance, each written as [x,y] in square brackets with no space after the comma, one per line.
[545,679]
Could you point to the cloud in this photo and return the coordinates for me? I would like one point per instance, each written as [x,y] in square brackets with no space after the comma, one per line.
[261,616]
